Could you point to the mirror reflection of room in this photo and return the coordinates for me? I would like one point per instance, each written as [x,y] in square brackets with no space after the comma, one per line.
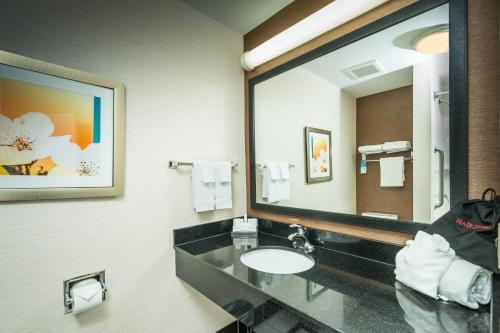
[362,130]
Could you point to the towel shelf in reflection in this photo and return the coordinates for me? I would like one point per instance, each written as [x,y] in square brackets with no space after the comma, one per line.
[176,164]
[406,159]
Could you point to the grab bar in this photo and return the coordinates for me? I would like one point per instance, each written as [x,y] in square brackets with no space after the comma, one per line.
[441,178]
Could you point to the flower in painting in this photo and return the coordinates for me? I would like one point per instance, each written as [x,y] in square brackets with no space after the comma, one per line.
[76,162]
[22,140]
[27,142]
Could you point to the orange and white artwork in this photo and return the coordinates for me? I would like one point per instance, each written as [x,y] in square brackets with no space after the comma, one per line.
[54,132]
[318,155]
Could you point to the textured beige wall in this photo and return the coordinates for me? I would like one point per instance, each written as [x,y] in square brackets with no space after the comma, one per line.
[184,101]
[284,105]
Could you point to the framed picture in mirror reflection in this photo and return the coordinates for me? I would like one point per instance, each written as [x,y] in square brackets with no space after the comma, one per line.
[318,155]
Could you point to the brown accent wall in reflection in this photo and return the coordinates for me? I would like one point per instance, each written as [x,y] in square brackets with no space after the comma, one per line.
[386,116]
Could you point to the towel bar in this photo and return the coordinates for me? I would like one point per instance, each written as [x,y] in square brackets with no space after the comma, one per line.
[260,165]
[176,164]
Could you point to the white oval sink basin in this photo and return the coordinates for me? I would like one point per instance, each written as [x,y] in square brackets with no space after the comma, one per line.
[277,260]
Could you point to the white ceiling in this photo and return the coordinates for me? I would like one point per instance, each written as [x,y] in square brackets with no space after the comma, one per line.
[239,15]
[389,81]
[380,46]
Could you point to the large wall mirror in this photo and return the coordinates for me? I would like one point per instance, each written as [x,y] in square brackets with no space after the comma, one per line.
[369,129]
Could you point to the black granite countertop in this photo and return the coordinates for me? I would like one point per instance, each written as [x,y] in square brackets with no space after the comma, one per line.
[341,293]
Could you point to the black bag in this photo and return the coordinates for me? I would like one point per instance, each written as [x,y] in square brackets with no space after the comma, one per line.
[471,228]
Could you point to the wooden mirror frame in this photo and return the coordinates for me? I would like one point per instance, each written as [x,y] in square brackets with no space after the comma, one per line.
[458,118]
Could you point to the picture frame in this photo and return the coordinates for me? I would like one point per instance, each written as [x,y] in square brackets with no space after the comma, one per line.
[318,155]
[62,132]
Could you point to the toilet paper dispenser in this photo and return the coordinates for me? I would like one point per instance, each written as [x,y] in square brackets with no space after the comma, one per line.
[68,285]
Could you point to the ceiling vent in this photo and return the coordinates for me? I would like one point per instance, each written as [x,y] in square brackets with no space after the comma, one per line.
[365,69]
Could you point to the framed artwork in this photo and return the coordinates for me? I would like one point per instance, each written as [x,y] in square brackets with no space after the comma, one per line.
[61,132]
[318,144]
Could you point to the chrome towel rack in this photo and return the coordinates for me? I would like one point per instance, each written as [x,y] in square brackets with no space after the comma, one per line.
[176,164]
[262,166]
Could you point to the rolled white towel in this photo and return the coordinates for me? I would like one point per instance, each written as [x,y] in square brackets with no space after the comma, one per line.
[396,146]
[423,261]
[371,149]
[466,283]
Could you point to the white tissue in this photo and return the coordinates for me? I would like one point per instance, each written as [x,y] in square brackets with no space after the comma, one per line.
[86,294]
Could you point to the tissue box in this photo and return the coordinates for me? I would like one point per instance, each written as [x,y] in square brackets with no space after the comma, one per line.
[244,225]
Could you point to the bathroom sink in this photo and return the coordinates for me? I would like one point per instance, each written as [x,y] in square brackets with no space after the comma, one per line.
[277,260]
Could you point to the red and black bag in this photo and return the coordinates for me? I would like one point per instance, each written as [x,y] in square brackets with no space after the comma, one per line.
[471,228]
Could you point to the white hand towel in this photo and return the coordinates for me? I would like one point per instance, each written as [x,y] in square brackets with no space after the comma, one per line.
[284,182]
[207,169]
[423,261]
[284,189]
[396,146]
[223,191]
[274,170]
[284,170]
[372,149]
[392,171]
[466,283]
[270,187]
[223,171]
[203,192]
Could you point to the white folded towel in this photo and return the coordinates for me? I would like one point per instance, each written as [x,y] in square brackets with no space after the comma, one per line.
[223,191]
[203,190]
[466,283]
[371,149]
[423,261]
[284,182]
[392,171]
[270,187]
[380,215]
[207,169]
[274,170]
[284,170]
[223,171]
[284,189]
[396,146]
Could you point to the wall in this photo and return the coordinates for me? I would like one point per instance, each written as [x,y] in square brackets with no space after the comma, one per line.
[483,85]
[422,138]
[484,115]
[383,117]
[184,101]
[284,105]
[430,129]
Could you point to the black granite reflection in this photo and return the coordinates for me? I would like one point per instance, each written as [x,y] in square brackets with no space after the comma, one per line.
[495,304]
[341,293]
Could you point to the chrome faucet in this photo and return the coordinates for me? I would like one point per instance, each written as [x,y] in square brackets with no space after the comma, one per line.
[299,239]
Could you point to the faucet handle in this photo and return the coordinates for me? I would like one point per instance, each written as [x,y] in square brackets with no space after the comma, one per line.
[300,228]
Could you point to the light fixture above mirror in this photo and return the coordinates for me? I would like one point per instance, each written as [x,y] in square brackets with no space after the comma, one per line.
[433,40]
